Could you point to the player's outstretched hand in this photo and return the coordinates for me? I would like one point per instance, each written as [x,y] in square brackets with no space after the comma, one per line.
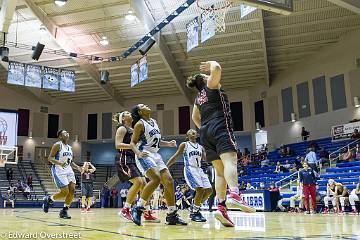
[205,66]
[172,143]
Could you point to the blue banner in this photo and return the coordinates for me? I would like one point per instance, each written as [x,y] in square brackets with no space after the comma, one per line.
[134,72]
[192,32]
[51,78]
[33,76]
[67,80]
[16,73]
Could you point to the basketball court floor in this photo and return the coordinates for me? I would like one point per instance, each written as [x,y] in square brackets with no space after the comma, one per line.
[105,224]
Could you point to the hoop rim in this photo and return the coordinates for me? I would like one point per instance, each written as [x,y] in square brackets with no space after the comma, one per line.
[228,4]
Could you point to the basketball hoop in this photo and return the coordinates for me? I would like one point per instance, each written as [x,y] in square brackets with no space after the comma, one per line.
[215,12]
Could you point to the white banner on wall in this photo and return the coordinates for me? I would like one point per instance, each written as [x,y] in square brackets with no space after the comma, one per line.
[344,131]
[8,128]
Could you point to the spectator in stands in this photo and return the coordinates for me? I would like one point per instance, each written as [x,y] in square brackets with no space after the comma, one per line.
[307,177]
[9,198]
[29,181]
[355,135]
[304,134]
[265,161]
[298,162]
[249,186]
[27,191]
[9,175]
[311,159]
[275,198]
[114,196]
[178,197]
[286,167]
[282,151]
[278,167]
[357,152]
[104,194]
[123,193]
[299,196]
[262,186]
[324,157]
[242,186]
[342,197]
[347,156]
[20,186]
[314,146]
[289,152]
[354,197]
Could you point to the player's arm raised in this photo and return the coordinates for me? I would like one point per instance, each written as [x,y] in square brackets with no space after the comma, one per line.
[138,130]
[171,143]
[215,73]
[77,167]
[93,168]
[54,150]
[196,117]
[176,155]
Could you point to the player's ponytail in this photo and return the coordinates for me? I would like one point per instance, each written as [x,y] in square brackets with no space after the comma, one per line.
[196,81]
[135,114]
[117,119]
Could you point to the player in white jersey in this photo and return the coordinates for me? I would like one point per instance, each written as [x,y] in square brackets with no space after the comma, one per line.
[195,177]
[145,142]
[61,156]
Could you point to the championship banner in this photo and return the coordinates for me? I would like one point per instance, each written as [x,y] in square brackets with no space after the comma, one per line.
[67,80]
[8,128]
[208,27]
[192,33]
[51,78]
[342,132]
[33,75]
[16,74]
[246,10]
[143,69]
[134,73]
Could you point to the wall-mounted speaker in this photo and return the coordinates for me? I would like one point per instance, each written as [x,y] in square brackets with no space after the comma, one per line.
[38,49]
[104,76]
[147,45]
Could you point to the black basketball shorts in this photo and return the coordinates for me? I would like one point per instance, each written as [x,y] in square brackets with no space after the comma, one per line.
[127,172]
[217,137]
[87,189]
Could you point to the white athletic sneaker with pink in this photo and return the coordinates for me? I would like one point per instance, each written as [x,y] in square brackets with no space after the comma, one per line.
[234,201]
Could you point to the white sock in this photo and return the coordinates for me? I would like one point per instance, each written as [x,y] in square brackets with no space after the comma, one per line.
[141,203]
[127,205]
[196,208]
[147,207]
[83,206]
[234,190]
[353,207]
[52,198]
[171,209]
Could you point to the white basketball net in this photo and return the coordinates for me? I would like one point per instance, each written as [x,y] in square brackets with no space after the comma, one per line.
[216,13]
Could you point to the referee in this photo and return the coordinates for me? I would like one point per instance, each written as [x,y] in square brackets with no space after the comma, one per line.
[87,186]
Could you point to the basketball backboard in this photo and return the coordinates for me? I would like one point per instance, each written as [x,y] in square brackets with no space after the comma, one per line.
[8,155]
[284,7]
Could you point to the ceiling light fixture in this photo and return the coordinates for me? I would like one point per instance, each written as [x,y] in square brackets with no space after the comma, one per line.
[130,15]
[60,3]
[104,41]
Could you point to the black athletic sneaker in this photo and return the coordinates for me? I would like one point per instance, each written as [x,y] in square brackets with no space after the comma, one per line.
[64,214]
[174,219]
[197,217]
[136,213]
[47,203]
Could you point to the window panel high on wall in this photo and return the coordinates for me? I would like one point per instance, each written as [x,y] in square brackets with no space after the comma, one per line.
[303,99]
[184,119]
[53,125]
[338,94]
[287,103]
[237,115]
[92,126]
[320,99]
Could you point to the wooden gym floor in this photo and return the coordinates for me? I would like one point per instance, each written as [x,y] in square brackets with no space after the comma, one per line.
[105,224]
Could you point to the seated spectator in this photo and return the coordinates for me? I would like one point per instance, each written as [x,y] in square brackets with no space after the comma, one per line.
[347,156]
[324,157]
[20,186]
[9,174]
[282,151]
[286,166]
[354,196]
[242,186]
[275,198]
[356,134]
[298,162]
[249,186]
[12,188]
[9,198]
[304,134]
[265,162]
[29,181]
[293,168]
[289,152]
[357,152]
[278,167]
[262,186]
[314,146]
[27,191]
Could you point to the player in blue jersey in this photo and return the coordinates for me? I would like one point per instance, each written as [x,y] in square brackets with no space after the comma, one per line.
[195,177]
[146,141]
[61,157]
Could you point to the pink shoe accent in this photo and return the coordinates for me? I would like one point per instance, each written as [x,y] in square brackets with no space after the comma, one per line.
[149,217]
[235,201]
[222,216]
[125,214]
